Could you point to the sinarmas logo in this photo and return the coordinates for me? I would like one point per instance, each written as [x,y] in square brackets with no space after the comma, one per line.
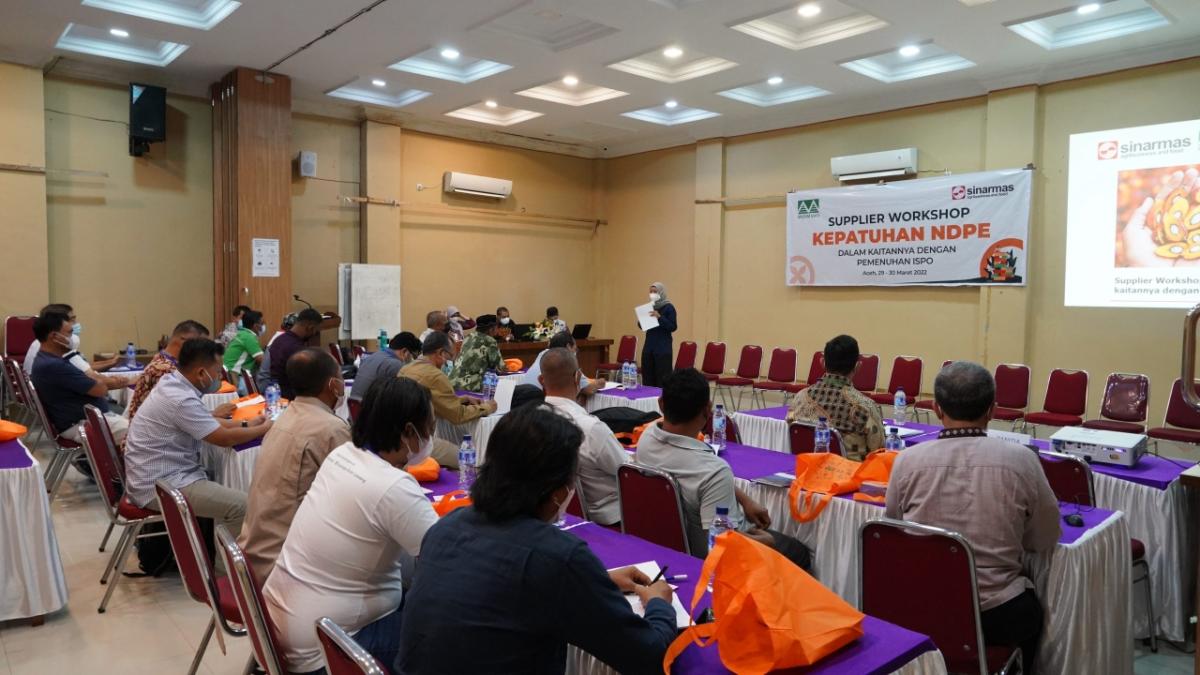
[807,208]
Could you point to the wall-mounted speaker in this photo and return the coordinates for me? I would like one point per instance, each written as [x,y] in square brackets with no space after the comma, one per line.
[147,117]
[306,165]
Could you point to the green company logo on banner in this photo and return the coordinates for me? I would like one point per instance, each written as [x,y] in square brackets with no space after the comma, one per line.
[808,208]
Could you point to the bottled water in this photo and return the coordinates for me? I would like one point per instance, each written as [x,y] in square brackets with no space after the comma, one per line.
[718,427]
[490,381]
[893,441]
[383,339]
[272,397]
[627,377]
[821,436]
[130,355]
[466,463]
[900,407]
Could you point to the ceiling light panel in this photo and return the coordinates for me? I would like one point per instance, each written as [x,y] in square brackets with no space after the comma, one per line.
[201,14]
[657,66]
[99,42]
[765,94]
[463,69]
[387,94]
[501,116]
[669,117]
[890,66]
[1070,27]
[578,94]
[548,28]
[788,28]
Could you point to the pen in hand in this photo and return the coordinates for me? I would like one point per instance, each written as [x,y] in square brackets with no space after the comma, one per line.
[661,572]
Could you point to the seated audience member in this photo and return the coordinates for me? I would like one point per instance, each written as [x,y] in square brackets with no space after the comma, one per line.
[459,323]
[401,350]
[165,362]
[601,454]
[302,437]
[341,558]
[705,480]
[74,356]
[991,491]
[499,589]
[505,332]
[229,332]
[455,409]
[165,438]
[435,322]
[263,379]
[62,388]
[243,352]
[308,324]
[834,397]
[479,354]
[561,341]
[553,321]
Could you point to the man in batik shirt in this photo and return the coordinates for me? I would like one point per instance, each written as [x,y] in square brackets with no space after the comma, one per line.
[856,417]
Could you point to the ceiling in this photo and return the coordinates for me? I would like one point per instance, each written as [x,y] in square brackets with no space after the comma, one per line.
[609,45]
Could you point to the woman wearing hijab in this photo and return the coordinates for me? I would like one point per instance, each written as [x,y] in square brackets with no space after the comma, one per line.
[656,351]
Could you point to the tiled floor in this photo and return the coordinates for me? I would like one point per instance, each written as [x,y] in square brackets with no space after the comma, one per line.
[152,627]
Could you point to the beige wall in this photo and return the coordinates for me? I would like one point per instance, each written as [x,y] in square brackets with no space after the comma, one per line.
[23,256]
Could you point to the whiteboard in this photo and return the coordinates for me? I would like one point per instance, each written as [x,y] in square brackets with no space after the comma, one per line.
[368,299]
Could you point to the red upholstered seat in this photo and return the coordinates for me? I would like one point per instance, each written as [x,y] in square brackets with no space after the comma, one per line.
[1178,435]
[64,442]
[1054,419]
[227,601]
[735,381]
[128,511]
[1137,549]
[1066,400]
[1006,414]
[1114,425]
[927,404]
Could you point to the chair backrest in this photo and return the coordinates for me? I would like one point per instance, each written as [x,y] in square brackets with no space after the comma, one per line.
[903,565]
[359,351]
[651,507]
[248,594]
[336,350]
[35,401]
[227,376]
[906,372]
[576,506]
[1012,386]
[866,377]
[1179,413]
[816,367]
[627,349]
[1066,392]
[248,382]
[102,455]
[802,438]
[714,358]
[1070,477]
[783,366]
[353,406]
[731,428]
[1126,397]
[18,335]
[344,656]
[687,355]
[750,362]
[16,380]
[191,555]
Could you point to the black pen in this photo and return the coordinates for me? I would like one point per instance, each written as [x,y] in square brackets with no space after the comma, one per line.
[661,572]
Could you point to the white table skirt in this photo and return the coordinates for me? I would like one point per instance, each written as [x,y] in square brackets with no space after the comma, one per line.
[479,429]
[1084,586]
[229,467]
[580,662]
[32,582]
[763,432]
[602,400]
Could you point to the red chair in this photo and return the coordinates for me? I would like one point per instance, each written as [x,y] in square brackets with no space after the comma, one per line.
[18,335]
[344,656]
[66,451]
[1065,403]
[781,376]
[731,430]
[903,565]
[353,406]
[906,375]
[249,383]
[14,379]
[749,369]
[576,506]
[626,352]
[816,369]
[359,351]
[925,405]
[686,358]
[1181,423]
[866,376]
[196,568]
[802,438]
[336,350]
[1126,400]
[250,603]
[714,361]
[651,506]
[228,376]
[1012,392]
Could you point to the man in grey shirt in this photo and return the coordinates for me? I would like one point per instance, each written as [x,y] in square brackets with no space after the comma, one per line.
[992,492]
[401,350]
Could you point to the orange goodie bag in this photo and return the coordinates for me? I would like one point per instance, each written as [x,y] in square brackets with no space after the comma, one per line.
[11,431]
[820,476]
[513,365]
[770,614]
[227,388]
[425,472]
[451,501]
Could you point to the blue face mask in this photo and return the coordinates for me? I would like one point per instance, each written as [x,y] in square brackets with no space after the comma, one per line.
[77,329]
[213,385]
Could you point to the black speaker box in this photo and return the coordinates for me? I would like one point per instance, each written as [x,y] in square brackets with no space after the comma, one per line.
[147,112]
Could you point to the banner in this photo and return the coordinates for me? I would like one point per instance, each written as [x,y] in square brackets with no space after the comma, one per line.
[968,229]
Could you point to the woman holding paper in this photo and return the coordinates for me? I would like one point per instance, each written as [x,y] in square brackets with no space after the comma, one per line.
[657,348]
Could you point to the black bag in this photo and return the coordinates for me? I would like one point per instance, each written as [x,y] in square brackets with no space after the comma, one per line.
[155,556]
[623,419]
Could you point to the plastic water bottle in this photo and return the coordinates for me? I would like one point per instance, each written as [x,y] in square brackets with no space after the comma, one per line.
[821,436]
[383,339]
[719,524]
[466,463]
[625,374]
[130,355]
[718,431]
[893,441]
[900,407]
[272,398]
[490,381]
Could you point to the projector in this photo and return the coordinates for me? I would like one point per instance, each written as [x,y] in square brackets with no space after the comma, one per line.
[1096,445]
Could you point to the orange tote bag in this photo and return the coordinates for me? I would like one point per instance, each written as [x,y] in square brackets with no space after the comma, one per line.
[820,476]
[769,613]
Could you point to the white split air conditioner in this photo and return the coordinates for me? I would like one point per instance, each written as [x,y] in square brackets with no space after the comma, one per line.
[902,162]
[480,186]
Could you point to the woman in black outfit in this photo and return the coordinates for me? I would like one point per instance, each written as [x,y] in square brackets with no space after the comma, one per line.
[656,352]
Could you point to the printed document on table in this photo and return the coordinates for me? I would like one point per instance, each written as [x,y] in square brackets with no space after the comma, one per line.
[611,385]
[504,394]
[651,569]
[643,316]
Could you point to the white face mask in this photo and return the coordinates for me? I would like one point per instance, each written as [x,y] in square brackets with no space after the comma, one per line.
[505,321]
[74,342]
[655,297]
[341,396]
[424,452]
[562,508]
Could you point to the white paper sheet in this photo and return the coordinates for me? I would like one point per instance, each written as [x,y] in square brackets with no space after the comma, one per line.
[1011,436]
[611,385]
[251,401]
[643,316]
[504,394]
[651,569]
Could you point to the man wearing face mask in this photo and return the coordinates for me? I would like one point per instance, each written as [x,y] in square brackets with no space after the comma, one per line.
[302,437]
[505,332]
[165,362]
[244,352]
[401,350]
[308,324]
[92,369]
[166,436]
[656,351]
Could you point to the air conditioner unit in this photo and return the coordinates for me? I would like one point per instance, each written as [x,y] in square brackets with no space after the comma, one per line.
[902,162]
[480,186]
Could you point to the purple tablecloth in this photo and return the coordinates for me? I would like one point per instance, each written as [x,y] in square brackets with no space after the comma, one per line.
[640,391]
[779,412]
[749,463]
[1091,518]
[13,456]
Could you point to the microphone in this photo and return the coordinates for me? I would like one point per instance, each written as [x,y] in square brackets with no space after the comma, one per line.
[297,298]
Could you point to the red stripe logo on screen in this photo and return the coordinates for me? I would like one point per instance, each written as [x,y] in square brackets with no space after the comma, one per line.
[958,192]
[1107,150]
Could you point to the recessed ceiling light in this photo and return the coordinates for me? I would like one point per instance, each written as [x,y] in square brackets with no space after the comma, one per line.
[672,103]
[672,52]
[809,10]
[774,80]
[1088,8]
[117,32]
[570,80]
[450,53]
[908,51]
[379,83]
[490,104]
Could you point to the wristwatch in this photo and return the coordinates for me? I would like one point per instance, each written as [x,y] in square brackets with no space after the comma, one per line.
[245,424]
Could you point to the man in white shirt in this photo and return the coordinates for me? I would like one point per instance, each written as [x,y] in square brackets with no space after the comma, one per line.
[561,341]
[601,454]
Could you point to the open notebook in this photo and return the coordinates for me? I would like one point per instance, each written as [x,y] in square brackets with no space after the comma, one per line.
[651,569]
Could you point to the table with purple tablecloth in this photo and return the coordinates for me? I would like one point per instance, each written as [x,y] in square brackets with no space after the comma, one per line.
[231,467]
[130,374]
[640,397]
[32,582]
[768,428]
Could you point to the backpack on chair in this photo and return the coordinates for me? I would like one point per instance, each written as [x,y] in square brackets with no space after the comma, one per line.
[625,422]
